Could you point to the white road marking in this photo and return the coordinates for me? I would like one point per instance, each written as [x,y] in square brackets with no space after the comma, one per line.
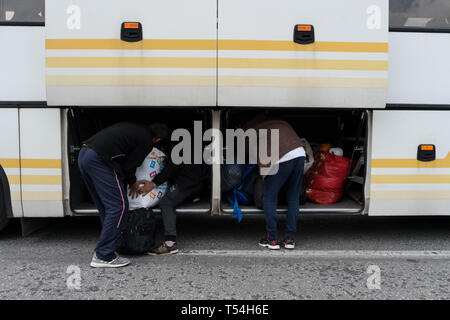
[345,254]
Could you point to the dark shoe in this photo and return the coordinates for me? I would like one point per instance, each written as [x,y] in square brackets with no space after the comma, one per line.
[266,243]
[289,244]
[163,250]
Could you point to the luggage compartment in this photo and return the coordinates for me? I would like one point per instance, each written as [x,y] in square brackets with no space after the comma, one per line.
[336,127]
[83,123]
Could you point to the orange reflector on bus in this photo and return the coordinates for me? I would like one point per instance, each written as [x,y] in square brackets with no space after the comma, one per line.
[427,147]
[131,25]
[303,28]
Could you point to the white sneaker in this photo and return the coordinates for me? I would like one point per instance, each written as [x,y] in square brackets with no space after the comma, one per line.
[266,243]
[118,262]
[289,244]
[274,245]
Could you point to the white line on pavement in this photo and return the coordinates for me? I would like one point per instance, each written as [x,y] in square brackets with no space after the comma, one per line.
[345,254]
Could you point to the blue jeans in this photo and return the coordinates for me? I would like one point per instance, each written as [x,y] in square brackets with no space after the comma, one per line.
[290,173]
[110,198]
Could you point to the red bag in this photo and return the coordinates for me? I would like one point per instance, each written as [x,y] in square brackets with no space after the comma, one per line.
[325,180]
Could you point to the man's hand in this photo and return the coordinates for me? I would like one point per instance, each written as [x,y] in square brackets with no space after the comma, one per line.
[134,190]
[145,187]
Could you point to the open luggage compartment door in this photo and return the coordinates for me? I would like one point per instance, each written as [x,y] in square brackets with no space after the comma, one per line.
[303,53]
[410,172]
[131,53]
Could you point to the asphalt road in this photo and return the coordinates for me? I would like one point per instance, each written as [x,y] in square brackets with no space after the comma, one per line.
[336,258]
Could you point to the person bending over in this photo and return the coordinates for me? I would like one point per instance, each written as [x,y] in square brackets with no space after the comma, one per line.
[108,162]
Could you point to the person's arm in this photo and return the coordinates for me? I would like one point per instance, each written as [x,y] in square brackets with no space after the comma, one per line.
[167,173]
[131,162]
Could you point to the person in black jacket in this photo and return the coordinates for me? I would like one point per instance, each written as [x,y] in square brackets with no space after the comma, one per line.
[186,180]
[108,162]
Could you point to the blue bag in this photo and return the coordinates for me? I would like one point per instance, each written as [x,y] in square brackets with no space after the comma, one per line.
[243,193]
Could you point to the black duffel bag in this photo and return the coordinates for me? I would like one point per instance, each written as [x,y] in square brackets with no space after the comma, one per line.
[138,232]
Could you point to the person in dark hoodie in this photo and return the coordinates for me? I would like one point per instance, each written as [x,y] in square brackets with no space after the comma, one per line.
[285,168]
[185,180]
[108,162]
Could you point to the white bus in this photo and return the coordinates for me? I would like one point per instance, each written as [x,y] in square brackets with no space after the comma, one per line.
[367,75]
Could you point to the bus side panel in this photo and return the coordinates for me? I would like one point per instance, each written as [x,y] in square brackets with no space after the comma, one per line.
[260,64]
[88,64]
[40,148]
[419,68]
[401,185]
[9,155]
[22,63]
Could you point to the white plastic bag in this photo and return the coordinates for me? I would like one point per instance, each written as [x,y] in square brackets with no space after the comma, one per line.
[150,167]
[337,151]
[309,155]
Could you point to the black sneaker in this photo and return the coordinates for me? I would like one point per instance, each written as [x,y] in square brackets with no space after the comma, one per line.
[266,243]
[289,244]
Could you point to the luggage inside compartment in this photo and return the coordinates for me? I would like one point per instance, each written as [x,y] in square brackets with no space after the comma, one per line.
[346,129]
[83,123]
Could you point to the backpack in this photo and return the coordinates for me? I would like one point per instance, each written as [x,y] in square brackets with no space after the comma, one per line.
[230,176]
[138,232]
[243,193]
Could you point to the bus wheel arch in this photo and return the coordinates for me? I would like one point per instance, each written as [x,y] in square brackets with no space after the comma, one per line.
[5,200]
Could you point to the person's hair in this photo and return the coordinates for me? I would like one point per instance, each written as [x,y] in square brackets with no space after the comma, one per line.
[159,130]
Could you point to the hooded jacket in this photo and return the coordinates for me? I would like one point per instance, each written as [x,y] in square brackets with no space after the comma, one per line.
[123,146]
[288,140]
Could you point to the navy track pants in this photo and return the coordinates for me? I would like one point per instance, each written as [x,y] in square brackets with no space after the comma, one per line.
[110,197]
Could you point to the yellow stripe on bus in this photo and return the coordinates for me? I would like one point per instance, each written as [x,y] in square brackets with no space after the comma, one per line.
[410,179]
[132,81]
[35,179]
[36,196]
[41,163]
[10,163]
[238,63]
[304,64]
[119,62]
[410,195]
[206,81]
[411,163]
[16,196]
[42,179]
[323,46]
[13,178]
[31,163]
[117,44]
[293,82]
[212,44]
